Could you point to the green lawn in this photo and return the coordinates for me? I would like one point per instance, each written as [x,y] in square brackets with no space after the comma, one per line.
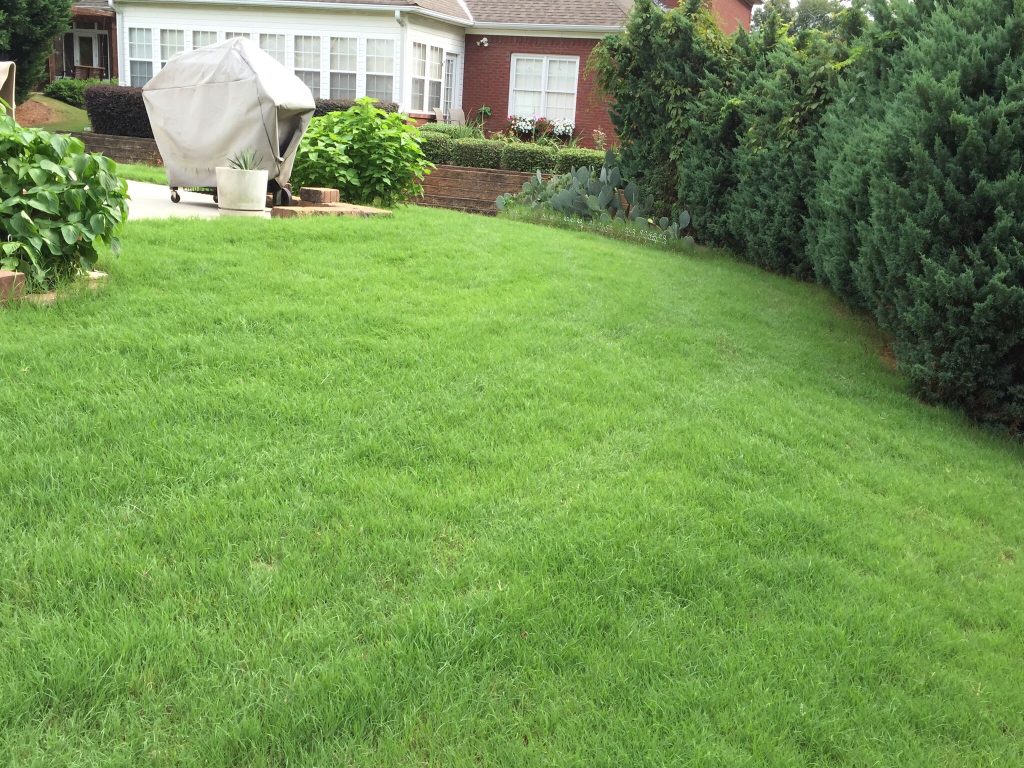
[444,490]
[68,118]
[148,173]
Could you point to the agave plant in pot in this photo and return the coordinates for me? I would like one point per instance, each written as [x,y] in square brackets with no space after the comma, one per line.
[242,183]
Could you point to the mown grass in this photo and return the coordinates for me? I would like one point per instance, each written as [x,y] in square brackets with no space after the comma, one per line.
[148,173]
[456,491]
[66,117]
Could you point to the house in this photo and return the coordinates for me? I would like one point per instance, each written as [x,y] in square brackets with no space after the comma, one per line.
[522,57]
[89,49]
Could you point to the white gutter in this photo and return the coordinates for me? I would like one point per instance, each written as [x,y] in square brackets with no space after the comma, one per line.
[547,27]
[311,4]
[401,57]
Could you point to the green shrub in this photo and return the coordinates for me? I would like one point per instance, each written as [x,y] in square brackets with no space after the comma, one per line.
[576,157]
[326,106]
[72,91]
[59,204]
[477,153]
[529,158]
[942,257]
[437,147]
[372,156]
[117,111]
[454,131]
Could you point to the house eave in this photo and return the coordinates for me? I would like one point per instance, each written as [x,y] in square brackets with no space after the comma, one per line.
[313,5]
[551,29]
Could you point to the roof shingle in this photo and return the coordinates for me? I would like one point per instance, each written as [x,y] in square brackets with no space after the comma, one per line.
[575,13]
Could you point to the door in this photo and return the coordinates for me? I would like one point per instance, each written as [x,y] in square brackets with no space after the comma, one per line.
[85,50]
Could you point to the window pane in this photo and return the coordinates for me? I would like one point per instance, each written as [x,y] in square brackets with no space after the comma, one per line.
[418,89]
[312,79]
[141,72]
[561,105]
[436,63]
[380,57]
[229,35]
[172,42]
[562,76]
[307,52]
[140,44]
[380,87]
[203,39]
[419,57]
[274,46]
[343,86]
[526,103]
[435,94]
[528,74]
[343,54]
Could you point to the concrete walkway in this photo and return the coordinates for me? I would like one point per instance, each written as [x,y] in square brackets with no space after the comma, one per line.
[153,201]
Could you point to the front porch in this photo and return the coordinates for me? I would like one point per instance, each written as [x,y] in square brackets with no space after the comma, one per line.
[89,49]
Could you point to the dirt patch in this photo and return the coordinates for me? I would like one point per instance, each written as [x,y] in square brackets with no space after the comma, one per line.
[32,113]
[888,357]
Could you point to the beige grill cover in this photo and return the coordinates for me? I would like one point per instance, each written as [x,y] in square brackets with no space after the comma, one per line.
[210,104]
[7,72]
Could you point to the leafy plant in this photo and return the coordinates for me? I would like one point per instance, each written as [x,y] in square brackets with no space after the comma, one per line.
[246,160]
[372,156]
[58,204]
[72,91]
[529,157]
[477,153]
[117,111]
[454,131]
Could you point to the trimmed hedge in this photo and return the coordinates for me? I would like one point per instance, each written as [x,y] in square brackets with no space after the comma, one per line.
[453,131]
[576,157]
[529,158]
[437,147]
[477,153]
[326,106]
[117,111]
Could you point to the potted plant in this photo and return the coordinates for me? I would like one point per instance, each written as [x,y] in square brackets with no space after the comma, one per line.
[242,184]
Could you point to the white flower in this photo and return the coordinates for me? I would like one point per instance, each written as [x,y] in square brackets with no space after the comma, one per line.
[563,128]
[522,123]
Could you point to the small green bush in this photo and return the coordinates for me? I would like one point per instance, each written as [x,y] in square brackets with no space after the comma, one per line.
[372,156]
[59,203]
[477,153]
[437,147]
[529,158]
[73,91]
[577,157]
[454,131]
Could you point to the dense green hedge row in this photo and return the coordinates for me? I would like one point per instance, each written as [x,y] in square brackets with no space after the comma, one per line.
[879,154]
[484,153]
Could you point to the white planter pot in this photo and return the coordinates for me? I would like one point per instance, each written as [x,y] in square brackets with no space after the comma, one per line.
[241,190]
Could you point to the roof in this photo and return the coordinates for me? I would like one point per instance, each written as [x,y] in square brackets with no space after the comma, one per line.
[93,7]
[453,9]
[562,13]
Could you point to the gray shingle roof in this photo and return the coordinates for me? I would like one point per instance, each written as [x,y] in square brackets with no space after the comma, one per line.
[597,13]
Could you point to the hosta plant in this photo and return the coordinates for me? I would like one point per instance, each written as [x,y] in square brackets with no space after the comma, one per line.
[58,204]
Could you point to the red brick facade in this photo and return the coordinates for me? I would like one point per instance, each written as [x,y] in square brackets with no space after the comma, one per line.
[488,69]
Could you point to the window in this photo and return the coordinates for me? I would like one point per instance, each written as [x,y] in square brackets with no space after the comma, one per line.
[307,61]
[380,69]
[451,67]
[544,86]
[344,59]
[274,45]
[201,39]
[229,35]
[427,74]
[172,42]
[140,56]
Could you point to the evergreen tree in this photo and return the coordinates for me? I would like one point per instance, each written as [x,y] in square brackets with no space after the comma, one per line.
[31,26]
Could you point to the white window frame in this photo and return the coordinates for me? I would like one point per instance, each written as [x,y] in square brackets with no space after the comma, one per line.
[516,57]
[432,76]
[132,49]
[279,50]
[364,63]
[232,35]
[319,53]
[163,45]
[331,71]
[215,33]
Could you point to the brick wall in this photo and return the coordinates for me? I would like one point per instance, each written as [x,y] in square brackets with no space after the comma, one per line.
[122,149]
[487,79]
[469,189]
[732,14]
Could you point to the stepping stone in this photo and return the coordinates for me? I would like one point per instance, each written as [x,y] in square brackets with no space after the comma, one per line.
[335,209]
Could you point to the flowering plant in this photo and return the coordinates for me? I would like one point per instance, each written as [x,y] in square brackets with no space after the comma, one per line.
[563,128]
[522,123]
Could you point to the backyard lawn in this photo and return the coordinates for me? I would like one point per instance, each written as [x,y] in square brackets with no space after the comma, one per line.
[444,490]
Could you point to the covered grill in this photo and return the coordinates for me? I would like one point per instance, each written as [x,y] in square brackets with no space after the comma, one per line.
[209,105]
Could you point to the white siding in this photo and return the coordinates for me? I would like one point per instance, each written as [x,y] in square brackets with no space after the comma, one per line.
[433,34]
